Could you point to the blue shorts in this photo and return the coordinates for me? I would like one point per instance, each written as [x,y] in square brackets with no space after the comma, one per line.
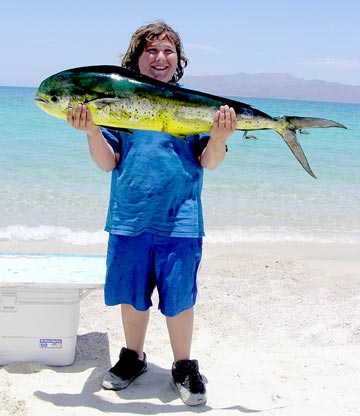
[136,265]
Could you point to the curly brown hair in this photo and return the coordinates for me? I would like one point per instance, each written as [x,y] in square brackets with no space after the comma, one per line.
[145,34]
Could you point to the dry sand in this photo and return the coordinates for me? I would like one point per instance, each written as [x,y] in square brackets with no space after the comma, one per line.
[277,332]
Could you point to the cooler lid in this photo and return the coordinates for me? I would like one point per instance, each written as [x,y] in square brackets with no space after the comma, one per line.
[52,270]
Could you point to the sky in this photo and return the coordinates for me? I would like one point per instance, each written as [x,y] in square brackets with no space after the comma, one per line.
[308,39]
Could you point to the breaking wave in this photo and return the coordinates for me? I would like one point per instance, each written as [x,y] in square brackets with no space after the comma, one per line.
[25,233]
[49,232]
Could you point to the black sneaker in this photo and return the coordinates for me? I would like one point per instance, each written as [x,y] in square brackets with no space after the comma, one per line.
[189,382]
[125,370]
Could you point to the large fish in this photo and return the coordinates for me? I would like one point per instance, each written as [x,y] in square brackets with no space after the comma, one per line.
[122,99]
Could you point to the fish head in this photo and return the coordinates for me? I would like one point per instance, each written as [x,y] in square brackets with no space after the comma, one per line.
[64,90]
[54,104]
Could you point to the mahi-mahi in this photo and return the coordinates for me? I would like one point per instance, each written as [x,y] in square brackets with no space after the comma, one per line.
[122,99]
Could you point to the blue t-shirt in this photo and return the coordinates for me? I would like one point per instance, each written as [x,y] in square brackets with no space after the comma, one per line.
[157,184]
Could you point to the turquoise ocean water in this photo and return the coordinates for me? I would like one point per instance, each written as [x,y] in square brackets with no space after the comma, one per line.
[51,190]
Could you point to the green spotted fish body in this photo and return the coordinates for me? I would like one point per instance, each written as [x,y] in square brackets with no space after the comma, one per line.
[122,99]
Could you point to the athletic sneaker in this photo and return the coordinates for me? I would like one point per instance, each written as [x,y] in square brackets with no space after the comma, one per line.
[125,370]
[189,382]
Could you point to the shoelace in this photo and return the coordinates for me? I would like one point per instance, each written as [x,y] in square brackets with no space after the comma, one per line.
[193,382]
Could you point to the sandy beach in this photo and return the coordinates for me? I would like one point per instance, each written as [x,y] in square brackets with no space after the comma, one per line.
[277,332]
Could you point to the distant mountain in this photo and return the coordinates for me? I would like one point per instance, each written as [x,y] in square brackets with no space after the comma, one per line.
[274,86]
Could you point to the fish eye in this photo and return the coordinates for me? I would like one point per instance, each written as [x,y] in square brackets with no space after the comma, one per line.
[54,98]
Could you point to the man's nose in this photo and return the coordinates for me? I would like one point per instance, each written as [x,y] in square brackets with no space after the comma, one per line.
[160,56]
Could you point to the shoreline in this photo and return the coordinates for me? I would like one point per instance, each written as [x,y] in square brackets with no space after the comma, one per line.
[330,258]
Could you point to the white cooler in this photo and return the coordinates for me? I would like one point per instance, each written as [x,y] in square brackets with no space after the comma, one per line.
[40,305]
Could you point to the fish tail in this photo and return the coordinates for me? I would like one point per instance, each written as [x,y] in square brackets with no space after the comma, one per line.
[290,139]
[298,123]
[288,126]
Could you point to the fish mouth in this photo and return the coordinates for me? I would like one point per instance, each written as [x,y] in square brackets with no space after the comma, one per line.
[42,103]
[40,100]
